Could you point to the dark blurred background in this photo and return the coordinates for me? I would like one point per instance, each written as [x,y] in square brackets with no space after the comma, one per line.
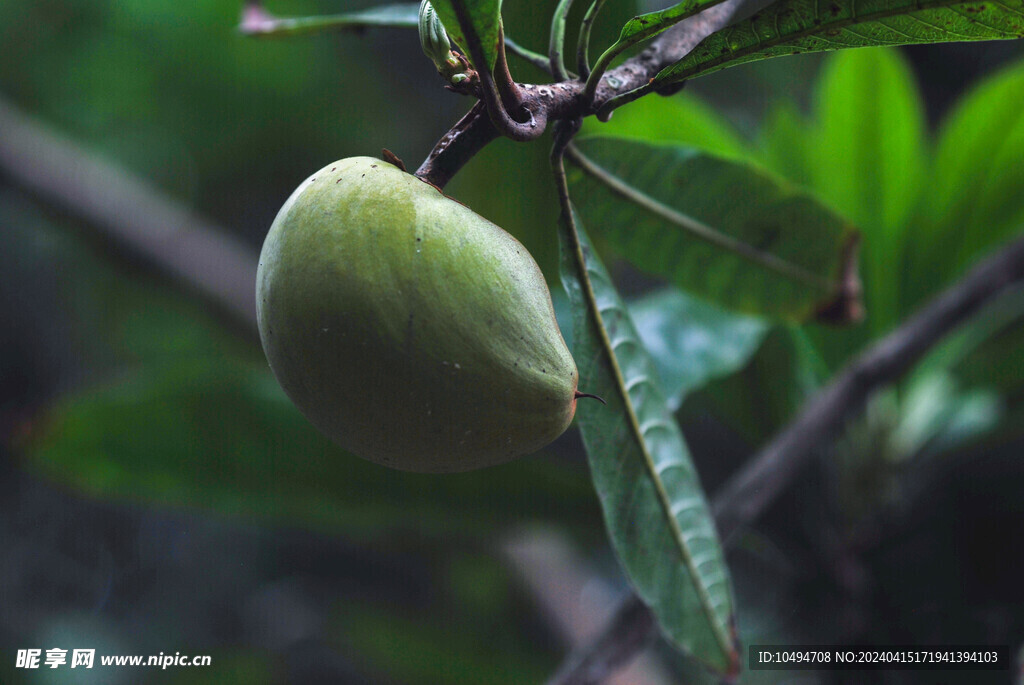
[159,494]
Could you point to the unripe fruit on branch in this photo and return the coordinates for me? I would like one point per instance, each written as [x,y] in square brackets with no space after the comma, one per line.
[412,331]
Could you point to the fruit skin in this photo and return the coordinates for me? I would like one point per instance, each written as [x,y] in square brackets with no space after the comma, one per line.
[410,330]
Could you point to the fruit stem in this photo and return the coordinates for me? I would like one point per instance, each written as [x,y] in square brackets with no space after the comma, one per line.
[579,394]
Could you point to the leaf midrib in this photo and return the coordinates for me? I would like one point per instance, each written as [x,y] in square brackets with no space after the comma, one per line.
[719,629]
[699,229]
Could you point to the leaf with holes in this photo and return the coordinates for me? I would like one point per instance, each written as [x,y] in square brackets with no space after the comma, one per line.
[972,196]
[655,510]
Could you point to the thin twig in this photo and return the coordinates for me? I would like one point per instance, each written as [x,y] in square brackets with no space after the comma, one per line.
[629,632]
[535,58]
[761,480]
[756,486]
[562,100]
[508,89]
[583,42]
[622,84]
[556,577]
[259,23]
[668,18]
[556,41]
[470,134]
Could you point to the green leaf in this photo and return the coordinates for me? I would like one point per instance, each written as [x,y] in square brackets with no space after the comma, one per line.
[257,21]
[691,341]
[657,517]
[871,163]
[481,20]
[723,230]
[973,199]
[682,119]
[642,27]
[865,153]
[787,143]
[794,26]
[215,434]
[872,154]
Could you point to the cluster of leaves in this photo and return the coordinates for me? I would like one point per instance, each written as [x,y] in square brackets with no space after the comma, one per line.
[864,158]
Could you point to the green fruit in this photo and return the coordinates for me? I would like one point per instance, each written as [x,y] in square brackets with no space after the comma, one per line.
[412,331]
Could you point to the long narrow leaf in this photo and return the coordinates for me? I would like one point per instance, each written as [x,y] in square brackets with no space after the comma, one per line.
[793,26]
[656,513]
[972,197]
[692,342]
[651,24]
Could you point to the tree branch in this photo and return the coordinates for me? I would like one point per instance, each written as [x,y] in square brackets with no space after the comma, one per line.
[130,213]
[745,496]
[533,124]
[465,139]
[563,100]
[761,480]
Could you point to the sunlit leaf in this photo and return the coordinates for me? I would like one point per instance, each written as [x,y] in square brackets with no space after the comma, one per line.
[973,196]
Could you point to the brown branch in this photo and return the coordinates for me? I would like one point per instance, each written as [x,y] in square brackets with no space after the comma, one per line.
[130,213]
[508,89]
[465,139]
[761,480]
[756,486]
[557,101]
[528,124]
